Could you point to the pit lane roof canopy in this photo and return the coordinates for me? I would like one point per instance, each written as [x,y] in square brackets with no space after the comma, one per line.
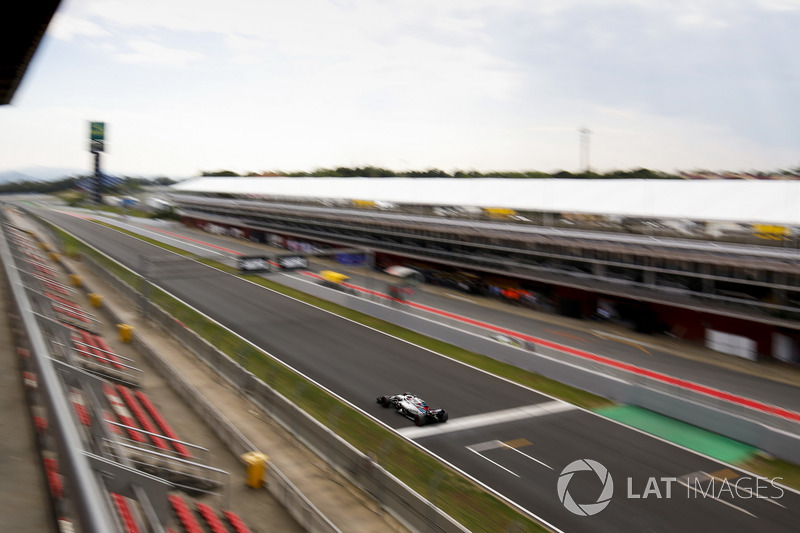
[737,201]
[22,26]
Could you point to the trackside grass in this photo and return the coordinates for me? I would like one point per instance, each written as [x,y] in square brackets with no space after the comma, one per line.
[770,467]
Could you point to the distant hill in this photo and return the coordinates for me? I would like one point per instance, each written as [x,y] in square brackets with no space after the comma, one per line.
[38,174]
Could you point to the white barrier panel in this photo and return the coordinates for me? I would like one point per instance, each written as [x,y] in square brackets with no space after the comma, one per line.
[785,348]
[731,344]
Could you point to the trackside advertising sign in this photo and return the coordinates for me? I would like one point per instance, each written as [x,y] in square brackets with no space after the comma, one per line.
[292,262]
[253,264]
[263,264]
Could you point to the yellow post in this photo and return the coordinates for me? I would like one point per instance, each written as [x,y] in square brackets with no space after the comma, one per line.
[95,299]
[125,332]
[256,463]
[55,257]
[76,280]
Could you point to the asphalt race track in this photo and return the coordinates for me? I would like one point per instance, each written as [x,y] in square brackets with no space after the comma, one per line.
[621,349]
[512,439]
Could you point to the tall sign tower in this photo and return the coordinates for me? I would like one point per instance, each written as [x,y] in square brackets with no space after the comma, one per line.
[97,139]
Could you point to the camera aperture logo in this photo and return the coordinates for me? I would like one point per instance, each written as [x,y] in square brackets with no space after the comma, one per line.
[585,509]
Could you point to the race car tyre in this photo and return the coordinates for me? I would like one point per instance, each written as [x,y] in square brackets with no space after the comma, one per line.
[419,420]
[443,416]
[384,401]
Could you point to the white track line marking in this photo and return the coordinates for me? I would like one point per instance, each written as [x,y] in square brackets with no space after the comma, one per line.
[755,496]
[488,419]
[680,481]
[494,463]
[627,340]
[458,297]
[532,458]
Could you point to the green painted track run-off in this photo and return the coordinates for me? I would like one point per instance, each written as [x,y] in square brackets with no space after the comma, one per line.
[686,435]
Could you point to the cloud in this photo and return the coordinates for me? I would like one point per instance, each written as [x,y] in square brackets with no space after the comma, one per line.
[140,52]
[245,49]
[780,5]
[451,83]
[65,27]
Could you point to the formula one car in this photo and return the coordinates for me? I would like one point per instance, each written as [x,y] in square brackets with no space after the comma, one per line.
[414,408]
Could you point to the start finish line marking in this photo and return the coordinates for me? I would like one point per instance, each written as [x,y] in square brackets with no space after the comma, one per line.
[488,419]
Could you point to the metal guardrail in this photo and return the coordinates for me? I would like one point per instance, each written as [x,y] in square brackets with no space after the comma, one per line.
[87,495]
[300,507]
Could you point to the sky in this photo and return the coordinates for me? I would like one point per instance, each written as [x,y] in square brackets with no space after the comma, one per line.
[186,86]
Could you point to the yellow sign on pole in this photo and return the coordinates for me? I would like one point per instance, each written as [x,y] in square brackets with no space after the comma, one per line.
[773,232]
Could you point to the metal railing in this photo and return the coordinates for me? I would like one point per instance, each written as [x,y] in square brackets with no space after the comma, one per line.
[87,495]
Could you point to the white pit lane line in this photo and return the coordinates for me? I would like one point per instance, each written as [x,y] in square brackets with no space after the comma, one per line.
[487,419]
[159,236]
[494,444]
[495,463]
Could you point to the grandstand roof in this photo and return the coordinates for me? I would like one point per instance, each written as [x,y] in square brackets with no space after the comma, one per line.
[23,25]
[745,201]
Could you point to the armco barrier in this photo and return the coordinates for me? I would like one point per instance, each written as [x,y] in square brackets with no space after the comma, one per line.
[79,477]
[298,505]
[408,506]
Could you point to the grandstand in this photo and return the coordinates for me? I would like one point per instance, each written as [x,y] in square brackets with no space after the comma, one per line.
[91,413]
[691,258]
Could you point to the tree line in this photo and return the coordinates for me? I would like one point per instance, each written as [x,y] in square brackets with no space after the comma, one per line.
[378,172]
[72,182]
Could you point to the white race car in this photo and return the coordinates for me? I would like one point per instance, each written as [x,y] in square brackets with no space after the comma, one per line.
[413,407]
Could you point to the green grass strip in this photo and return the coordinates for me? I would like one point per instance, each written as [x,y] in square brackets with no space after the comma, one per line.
[706,442]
